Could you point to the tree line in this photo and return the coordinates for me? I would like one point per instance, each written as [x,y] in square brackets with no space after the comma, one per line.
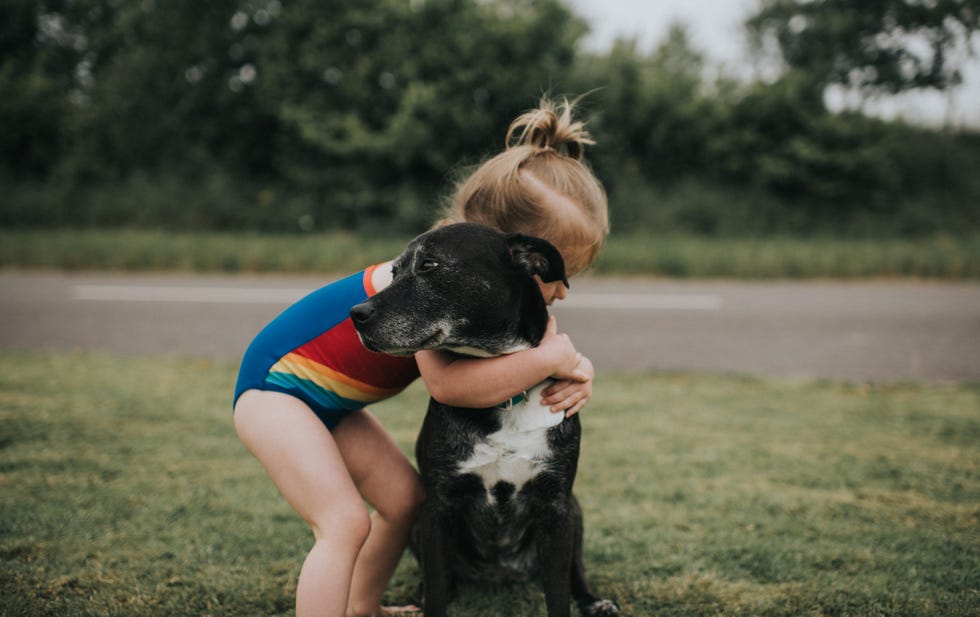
[304,115]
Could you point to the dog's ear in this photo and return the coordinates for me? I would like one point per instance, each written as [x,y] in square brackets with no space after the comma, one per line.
[537,256]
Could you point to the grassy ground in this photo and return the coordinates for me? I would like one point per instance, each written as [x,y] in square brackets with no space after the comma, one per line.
[938,257]
[125,492]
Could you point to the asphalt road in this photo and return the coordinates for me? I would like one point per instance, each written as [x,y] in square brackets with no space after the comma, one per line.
[881,331]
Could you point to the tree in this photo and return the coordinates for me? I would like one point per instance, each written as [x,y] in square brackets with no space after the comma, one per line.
[654,118]
[330,112]
[377,103]
[35,79]
[876,46]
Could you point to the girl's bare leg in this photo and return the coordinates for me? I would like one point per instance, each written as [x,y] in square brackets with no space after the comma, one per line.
[391,485]
[302,458]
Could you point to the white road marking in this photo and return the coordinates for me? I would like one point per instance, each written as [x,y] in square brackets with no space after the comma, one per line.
[288,295]
[645,301]
[176,293]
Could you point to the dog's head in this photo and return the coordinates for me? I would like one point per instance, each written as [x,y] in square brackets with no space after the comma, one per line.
[465,287]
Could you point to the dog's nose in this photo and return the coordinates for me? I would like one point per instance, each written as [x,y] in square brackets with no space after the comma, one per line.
[361,313]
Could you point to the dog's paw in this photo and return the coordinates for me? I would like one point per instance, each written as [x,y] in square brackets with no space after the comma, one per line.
[601,608]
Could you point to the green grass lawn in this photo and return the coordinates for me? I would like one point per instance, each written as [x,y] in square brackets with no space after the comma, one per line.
[941,257]
[126,492]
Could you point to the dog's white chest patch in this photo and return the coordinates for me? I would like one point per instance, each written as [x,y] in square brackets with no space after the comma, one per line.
[519,450]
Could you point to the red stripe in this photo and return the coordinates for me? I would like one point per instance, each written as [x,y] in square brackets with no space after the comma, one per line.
[340,349]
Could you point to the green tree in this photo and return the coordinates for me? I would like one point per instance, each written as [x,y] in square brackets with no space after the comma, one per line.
[654,109]
[333,113]
[36,79]
[156,84]
[779,138]
[874,45]
[378,102]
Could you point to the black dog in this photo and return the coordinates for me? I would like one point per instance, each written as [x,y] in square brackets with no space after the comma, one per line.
[499,504]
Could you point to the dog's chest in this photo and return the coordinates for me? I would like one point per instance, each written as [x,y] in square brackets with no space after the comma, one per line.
[519,450]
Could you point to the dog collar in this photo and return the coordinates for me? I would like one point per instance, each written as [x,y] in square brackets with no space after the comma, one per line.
[510,403]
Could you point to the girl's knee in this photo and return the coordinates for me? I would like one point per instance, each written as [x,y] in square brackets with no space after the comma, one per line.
[347,523]
[403,505]
[415,494]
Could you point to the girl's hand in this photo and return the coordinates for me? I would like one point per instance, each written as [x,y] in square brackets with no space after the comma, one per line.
[561,354]
[571,395]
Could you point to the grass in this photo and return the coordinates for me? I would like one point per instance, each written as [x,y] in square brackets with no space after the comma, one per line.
[126,492]
[940,257]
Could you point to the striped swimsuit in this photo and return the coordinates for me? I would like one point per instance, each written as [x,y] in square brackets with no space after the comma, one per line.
[311,351]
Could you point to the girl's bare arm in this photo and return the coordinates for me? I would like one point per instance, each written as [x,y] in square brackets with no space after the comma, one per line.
[484,382]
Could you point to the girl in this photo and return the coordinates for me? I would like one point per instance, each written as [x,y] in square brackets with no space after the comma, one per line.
[305,379]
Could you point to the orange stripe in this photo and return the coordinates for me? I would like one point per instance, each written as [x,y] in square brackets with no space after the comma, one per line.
[368,282]
[326,377]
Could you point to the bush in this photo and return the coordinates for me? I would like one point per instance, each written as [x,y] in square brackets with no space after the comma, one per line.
[252,115]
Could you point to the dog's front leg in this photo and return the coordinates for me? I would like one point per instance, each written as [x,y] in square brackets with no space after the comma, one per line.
[434,535]
[555,544]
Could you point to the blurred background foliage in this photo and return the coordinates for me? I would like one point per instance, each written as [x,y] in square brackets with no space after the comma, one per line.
[306,115]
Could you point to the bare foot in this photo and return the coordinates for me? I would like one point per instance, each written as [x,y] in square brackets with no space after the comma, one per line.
[400,611]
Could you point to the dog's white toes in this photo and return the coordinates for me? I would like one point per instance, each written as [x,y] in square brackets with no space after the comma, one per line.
[602,608]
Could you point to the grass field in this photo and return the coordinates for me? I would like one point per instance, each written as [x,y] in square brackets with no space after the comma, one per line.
[126,492]
[938,257]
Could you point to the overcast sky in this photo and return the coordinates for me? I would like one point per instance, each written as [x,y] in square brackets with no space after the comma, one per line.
[716,29]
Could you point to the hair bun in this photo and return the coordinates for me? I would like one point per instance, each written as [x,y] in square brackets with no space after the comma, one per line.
[550,127]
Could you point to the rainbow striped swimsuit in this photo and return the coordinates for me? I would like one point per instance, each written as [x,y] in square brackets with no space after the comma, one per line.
[311,351]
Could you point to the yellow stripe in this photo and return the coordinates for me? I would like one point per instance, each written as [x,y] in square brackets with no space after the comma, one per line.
[326,377]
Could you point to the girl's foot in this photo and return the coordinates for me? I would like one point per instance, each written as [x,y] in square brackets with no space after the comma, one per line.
[400,611]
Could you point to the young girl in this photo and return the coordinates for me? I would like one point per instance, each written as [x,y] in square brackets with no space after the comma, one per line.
[305,379]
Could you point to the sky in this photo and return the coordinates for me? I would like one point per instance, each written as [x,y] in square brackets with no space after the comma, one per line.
[715,28]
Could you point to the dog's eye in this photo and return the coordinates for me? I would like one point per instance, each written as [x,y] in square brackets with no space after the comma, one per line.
[428,264]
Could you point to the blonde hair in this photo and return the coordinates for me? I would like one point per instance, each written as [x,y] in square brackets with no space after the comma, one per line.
[540,185]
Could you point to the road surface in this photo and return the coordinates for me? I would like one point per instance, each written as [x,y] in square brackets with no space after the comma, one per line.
[881,331]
